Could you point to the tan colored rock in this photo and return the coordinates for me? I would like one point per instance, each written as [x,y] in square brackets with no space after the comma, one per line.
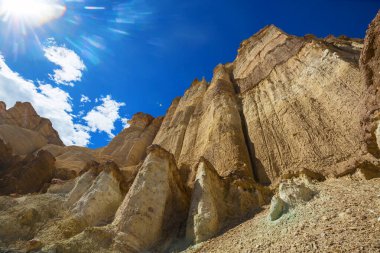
[369,63]
[299,112]
[61,187]
[83,183]
[293,192]
[22,217]
[25,175]
[3,107]
[129,147]
[71,160]
[100,202]
[215,130]
[216,202]
[23,115]
[23,141]
[262,52]
[172,133]
[155,206]
[207,209]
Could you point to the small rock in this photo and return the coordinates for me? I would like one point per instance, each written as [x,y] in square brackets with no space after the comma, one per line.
[33,245]
[277,208]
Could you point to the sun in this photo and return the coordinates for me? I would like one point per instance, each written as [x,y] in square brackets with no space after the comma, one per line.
[30,12]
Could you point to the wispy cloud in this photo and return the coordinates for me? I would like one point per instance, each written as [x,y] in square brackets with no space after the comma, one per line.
[102,118]
[71,64]
[84,99]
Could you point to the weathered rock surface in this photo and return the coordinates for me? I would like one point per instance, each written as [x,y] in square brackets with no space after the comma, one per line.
[216,202]
[71,160]
[297,96]
[23,141]
[291,193]
[129,147]
[100,202]
[22,217]
[154,208]
[369,63]
[288,108]
[24,175]
[23,115]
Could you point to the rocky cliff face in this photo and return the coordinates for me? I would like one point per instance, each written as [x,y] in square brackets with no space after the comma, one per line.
[23,115]
[288,109]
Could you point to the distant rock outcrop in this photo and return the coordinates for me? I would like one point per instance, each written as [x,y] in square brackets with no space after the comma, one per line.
[23,115]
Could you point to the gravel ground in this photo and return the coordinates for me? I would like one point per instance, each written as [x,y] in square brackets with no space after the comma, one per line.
[343,217]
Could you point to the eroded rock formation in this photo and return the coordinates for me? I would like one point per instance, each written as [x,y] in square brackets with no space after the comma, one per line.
[23,115]
[24,175]
[369,63]
[155,206]
[287,108]
[129,147]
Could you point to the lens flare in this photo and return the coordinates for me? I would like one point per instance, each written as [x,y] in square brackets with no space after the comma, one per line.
[30,13]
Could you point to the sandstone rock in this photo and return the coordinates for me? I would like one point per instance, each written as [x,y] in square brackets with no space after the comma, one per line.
[216,202]
[129,147]
[22,141]
[27,175]
[83,183]
[215,130]
[33,245]
[22,217]
[207,209]
[155,206]
[3,107]
[100,202]
[172,132]
[63,187]
[297,104]
[23,115]
[71,160]
[369,63]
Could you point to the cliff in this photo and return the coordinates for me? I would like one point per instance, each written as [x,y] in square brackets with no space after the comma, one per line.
[290,118]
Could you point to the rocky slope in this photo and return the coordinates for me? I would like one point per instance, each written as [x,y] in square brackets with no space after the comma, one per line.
[287,135]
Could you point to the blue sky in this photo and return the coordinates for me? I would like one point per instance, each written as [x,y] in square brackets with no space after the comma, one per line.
[138,55]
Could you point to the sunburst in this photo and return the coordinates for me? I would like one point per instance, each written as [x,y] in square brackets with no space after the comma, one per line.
[30,13]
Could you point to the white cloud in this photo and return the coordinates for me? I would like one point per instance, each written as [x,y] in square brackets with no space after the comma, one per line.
[125,123]
[102,118]
[84,99]
[71,64]
[50,102]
